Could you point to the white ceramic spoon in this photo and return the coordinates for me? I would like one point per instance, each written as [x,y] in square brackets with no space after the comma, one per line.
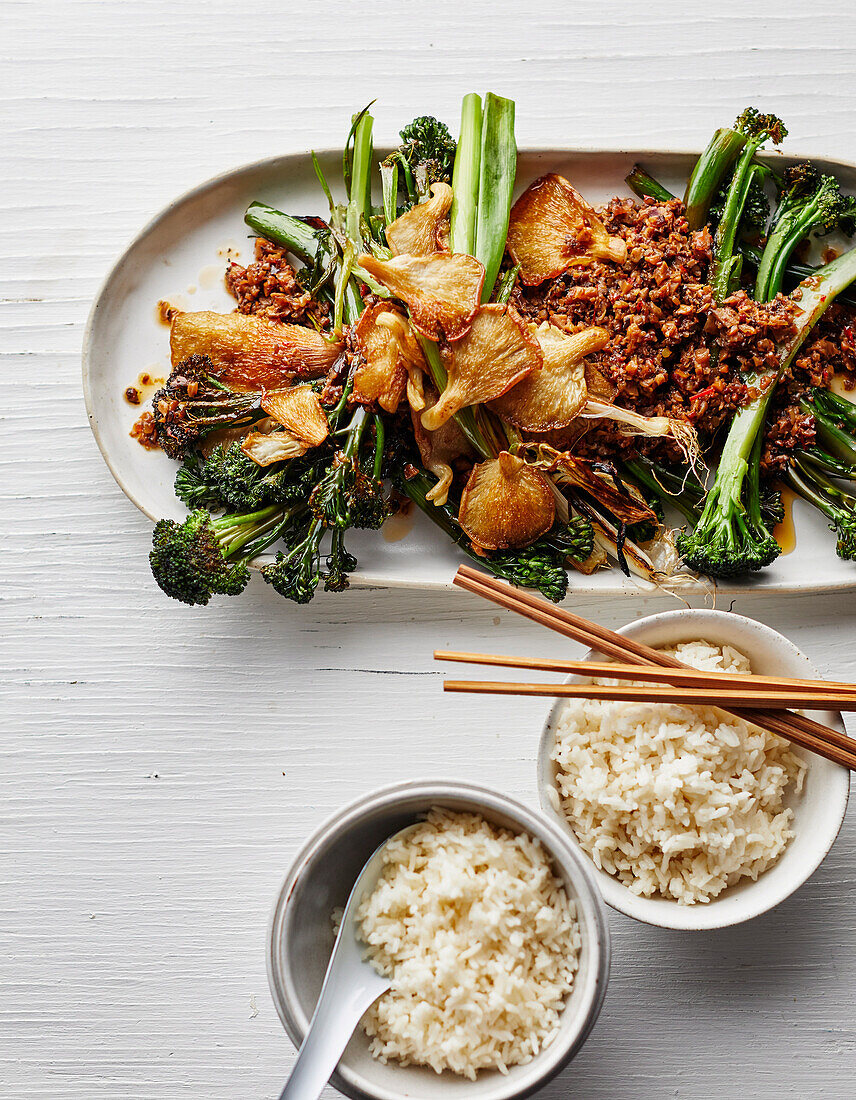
[351,985]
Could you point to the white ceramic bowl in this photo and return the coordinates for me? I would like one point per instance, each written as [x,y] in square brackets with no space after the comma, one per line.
[300,938]
[818,809]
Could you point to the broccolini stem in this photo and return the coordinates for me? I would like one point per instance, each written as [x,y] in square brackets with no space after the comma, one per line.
[818,459]
[709,172]
[679,496]
[283,229]
[644,185]
[506,285]
[794,272]
[380,436]
[784,237]
[838,443]
[273,533]
[234,532]
[725,264]
[816,295]
[337,410]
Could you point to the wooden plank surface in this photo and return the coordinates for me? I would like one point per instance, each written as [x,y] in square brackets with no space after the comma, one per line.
[161,765]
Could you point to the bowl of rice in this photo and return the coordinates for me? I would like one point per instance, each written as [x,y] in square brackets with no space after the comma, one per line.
[485,918]
[692,817]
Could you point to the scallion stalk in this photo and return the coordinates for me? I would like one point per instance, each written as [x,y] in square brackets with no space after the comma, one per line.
[465,178]
[497,172]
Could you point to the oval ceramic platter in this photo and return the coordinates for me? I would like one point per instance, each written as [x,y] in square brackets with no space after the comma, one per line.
[181,256]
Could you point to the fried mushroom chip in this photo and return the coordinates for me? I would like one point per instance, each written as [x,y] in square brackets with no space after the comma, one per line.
[248,353]
[554,396]
[553,228]
[442,291]
[300,412]
[420,230]
[506,504]
[391,357]
[494,355]
[265,449]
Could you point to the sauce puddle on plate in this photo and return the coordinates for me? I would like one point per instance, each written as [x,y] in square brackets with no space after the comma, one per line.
[785,532]
[398,526]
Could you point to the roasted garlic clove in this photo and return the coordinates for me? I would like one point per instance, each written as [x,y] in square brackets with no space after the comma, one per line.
[300,412]
[553,228]
[506,504]
[419,231]
[391,356]
[442,290]
[249,353]
[496,353]
[554,396]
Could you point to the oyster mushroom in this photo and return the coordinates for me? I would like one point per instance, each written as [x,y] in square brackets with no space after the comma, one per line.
[439,449]
[391,355]
[506,504]
[299,424]
[494,355]
[554,396]
[419,231]
[442,290]
[249,353]
[553,228]
[300,412]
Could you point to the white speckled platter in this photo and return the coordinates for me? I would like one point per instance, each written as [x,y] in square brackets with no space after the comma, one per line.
[181,255]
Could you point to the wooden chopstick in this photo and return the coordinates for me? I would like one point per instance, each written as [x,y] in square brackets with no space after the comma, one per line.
[800,729]
[677,676]
[683,696]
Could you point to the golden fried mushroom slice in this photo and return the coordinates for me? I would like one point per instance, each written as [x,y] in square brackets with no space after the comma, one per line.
[553,228]
[266,449]
[506,504]
[442,290]
[495,354]
[419,231]
[249,353]
[391,357]
[438,450]
[300,412]
[554,396]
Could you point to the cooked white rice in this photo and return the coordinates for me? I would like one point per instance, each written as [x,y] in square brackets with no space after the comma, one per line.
[675,801]
[480,941]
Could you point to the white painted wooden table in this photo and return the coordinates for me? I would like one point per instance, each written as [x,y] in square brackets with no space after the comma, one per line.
[161,765]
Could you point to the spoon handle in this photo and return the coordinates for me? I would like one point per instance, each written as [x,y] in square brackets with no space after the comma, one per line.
[336,1015]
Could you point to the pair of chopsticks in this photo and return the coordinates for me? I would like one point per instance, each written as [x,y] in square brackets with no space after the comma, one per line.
[763,700]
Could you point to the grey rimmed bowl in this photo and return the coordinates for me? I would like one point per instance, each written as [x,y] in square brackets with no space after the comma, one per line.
[300,938]
[818,809]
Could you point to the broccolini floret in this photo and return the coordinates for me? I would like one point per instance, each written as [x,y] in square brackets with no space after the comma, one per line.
[207,556]
[230,479]
[428,146]
[809,203]
[426,155]
[193,404]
